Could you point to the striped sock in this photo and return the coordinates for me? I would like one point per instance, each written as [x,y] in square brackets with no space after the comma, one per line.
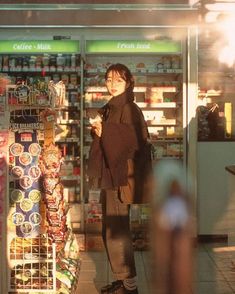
[130,284]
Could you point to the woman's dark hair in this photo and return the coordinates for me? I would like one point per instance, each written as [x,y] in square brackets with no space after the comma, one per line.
[124,73]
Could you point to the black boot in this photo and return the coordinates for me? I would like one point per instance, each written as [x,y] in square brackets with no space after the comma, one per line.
[117,287]
[112,288]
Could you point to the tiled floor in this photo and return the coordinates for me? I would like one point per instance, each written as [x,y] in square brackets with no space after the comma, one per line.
[214,271]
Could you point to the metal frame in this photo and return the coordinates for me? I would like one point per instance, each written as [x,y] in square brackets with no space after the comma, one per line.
[103,7]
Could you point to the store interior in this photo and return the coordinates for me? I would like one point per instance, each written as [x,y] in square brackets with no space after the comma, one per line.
[52,83]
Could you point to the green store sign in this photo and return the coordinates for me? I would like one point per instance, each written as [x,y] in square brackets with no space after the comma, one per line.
[135,46]
[39,47]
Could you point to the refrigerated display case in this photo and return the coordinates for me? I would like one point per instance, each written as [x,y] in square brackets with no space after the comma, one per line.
[158,72]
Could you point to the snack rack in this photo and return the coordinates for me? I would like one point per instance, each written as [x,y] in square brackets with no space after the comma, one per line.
[31,255]
[38,273]
[34,264]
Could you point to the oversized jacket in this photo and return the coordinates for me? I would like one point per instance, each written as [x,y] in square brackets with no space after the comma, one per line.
[121,157]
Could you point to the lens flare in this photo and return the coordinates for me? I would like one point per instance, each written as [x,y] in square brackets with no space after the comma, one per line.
[227,54]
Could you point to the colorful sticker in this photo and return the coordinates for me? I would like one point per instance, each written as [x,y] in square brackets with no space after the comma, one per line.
[34,149]
[26,137]
[25,158]
[26,204]
[18,218]
[17,195]
[34,172]
[26,182]
[35,218]
[16,149]
[35,195]
[17,172]
[26,228]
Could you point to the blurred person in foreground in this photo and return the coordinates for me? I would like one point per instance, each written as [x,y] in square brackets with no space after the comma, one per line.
[172,229]
[120,158]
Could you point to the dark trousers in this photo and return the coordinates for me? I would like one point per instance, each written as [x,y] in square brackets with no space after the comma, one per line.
[117,236]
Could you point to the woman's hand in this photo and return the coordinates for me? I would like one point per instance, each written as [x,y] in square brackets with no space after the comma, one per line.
[96,125]
[97,128]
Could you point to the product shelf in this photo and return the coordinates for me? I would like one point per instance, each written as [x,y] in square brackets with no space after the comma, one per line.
[153,106]
[36,98]
[139,72]
[28,275]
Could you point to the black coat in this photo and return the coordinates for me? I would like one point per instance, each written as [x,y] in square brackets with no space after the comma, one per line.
[122,150]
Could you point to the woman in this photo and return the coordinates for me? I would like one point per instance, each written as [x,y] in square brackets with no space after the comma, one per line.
[119,160]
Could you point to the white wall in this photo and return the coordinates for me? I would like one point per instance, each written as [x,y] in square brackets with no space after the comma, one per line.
[216,200]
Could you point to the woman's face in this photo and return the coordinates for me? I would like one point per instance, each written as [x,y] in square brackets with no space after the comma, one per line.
[115,84]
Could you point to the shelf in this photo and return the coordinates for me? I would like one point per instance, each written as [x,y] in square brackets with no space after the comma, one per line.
[70,87]
[68,140]
[26,106]
[153,106]
[172,156]
[69,122]
[161,124]
[96,89]
[38,106]
[139,72]
[210,94]
[166,140]
[70,178]
[71,158]
[39,70]
[70,104]
[166,89]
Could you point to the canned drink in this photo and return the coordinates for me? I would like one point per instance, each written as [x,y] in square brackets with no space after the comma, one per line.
[176,62]
[166,62]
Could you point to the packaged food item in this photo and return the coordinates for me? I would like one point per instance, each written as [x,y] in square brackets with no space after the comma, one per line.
[73,60]
[73,80]
[45,60]
[65,79]
[49,184]
[56,220]
[60,60]
[52,203]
